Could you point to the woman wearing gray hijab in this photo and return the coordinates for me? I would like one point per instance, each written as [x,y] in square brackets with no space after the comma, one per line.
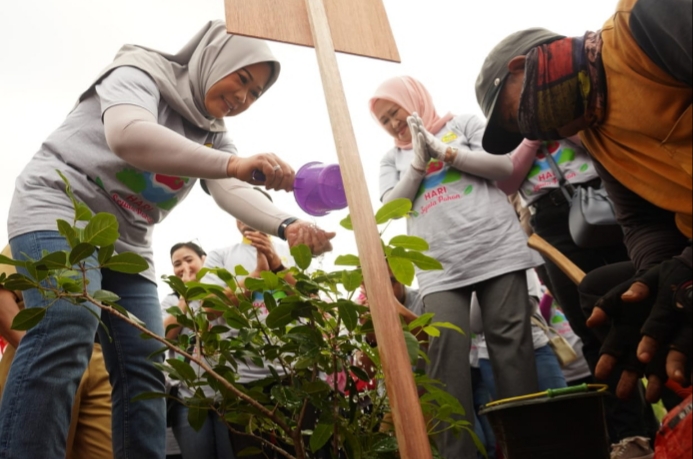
[133,146]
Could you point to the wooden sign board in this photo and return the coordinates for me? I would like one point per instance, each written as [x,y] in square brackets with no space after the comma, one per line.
[358,27]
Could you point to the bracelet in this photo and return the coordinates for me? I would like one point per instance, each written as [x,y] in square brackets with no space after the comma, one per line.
[450,155]
[279,268]
[282,227]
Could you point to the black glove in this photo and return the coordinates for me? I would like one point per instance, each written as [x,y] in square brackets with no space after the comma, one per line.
[672,283]
[671,322]
[627,320]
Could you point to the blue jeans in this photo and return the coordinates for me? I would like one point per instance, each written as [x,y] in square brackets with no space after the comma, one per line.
[52,357]
[548,371]
[482,426]
[212,441]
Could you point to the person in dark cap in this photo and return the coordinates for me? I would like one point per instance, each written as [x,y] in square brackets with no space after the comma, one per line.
[627,91]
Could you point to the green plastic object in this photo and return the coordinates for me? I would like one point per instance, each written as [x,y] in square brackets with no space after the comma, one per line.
[551,393]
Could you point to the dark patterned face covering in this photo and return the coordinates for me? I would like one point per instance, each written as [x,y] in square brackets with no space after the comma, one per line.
[564,81]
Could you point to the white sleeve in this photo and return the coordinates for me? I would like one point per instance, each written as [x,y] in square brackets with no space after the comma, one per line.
[394,185]
[247,205]
[129,104]
[475,160]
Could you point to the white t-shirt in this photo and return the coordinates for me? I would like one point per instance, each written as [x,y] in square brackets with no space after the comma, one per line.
[572,159]
[104,182]
[468,222]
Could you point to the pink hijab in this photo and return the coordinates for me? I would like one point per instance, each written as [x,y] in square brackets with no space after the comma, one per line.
[412,96]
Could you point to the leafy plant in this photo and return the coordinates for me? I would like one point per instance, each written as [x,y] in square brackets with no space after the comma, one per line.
[311,333]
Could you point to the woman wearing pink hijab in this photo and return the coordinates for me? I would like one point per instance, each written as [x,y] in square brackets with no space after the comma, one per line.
[472,230]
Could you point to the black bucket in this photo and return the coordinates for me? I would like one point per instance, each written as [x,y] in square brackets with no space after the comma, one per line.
[556,424]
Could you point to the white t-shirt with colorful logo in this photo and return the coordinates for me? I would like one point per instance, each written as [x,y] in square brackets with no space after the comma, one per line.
[99,178]
[469,224]
[572,159]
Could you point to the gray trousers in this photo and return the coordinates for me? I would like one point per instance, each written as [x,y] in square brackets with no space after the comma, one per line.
[506,312]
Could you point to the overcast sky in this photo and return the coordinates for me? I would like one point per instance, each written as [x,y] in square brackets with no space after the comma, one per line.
[52,50]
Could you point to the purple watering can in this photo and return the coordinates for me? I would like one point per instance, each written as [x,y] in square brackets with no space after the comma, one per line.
[318,188]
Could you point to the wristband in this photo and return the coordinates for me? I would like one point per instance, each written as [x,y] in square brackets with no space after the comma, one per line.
[279,268]
[282,227]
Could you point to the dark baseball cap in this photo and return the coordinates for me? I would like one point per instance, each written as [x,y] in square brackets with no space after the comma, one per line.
[490,82]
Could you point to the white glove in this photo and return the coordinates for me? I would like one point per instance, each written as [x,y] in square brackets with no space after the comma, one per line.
[421,154]
[435,147]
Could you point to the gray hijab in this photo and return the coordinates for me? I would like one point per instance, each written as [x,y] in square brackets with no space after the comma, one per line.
[185,77]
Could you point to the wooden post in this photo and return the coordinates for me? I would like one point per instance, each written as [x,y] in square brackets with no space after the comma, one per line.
[399,381]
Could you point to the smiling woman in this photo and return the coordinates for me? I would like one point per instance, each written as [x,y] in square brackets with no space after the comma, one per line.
[140,136]
[234,93]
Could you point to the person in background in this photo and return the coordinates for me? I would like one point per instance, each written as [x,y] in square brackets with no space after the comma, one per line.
[535,179]
[134,145]
[89,436]
[472,231]
[628,91]
[212,440]
[577,372]
[256,252]
[548,369]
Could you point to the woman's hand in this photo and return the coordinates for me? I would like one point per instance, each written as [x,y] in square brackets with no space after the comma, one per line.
[418,142]
[302,232]
[435,148]
[265,248]
[278,174]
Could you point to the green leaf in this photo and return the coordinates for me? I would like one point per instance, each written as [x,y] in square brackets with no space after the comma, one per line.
[396,208]
[386,445]
[346,223]
[129,263]
[240,271]
[197,416]
[447,325]
[19,282]
[105,254]
[68,189]
[352,445]
[271,280]
[28,318]
[347,260]
[431,331]
[68,232]
[55,260]
[422,320]
[250,451]
[409,242]
[412,347]
[80,252]
[255,285]
[321,435]
[281,316]
[302,256]
[82,212]
[183,369]
[423,261]
[270,301]
[101,230]
[352,279]
[348,314]
[403,269]
[105,296]
[9,261]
